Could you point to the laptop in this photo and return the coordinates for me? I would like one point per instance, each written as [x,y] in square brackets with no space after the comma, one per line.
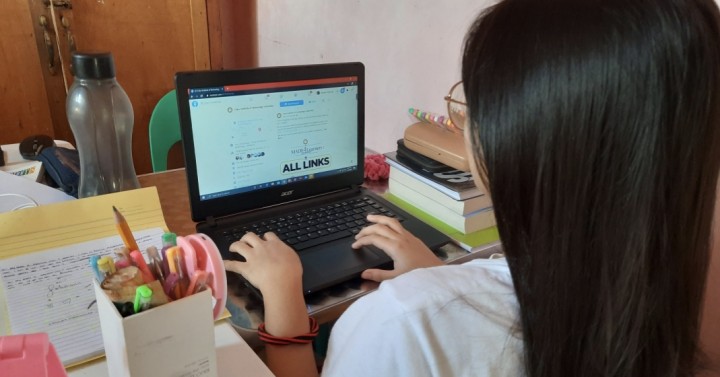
[282,149]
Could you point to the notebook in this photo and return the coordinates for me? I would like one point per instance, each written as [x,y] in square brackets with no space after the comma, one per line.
[268,148]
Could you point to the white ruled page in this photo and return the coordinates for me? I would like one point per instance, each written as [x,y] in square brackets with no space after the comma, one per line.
[51,291]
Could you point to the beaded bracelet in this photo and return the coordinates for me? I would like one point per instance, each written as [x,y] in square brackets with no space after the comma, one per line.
[281,341]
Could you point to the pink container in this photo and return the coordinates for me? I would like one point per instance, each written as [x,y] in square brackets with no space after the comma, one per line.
[30,355]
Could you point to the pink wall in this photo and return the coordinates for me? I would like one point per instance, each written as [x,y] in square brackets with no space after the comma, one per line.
[410,48]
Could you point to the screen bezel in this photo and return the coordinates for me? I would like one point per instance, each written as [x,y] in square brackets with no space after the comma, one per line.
[201,210]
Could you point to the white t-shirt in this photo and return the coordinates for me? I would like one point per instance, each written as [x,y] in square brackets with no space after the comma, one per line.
[458,320]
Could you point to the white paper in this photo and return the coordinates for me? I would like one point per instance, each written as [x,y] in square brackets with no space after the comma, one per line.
[51,291]
[40,193]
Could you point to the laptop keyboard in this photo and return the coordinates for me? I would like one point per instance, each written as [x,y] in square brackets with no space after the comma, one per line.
[316,226]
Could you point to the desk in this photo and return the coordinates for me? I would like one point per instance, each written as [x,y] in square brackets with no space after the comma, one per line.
[245,308]
[233,354]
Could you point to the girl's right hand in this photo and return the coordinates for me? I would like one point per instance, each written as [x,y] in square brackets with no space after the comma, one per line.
[406,250]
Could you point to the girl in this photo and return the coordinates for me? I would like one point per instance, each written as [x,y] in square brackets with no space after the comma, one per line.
[595,126]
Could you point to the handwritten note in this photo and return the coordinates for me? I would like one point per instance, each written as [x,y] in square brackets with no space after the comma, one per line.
[51,291]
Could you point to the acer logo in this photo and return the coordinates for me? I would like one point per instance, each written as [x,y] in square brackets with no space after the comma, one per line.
[286,193]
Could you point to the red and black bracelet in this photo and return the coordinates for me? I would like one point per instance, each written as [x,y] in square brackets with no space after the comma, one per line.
[281,341]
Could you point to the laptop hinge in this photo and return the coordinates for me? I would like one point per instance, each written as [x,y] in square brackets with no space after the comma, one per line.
[210,221]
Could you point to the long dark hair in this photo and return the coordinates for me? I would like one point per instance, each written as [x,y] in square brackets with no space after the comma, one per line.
[596,124]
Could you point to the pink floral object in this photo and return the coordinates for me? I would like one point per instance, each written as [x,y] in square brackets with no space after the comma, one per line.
[376,168]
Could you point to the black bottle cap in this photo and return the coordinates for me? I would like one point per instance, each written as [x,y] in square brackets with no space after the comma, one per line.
[31,146]
[93,65]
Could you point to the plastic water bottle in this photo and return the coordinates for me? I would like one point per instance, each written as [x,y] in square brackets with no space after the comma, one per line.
[101,119]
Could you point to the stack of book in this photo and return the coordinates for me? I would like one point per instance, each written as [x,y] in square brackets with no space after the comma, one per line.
[446,198]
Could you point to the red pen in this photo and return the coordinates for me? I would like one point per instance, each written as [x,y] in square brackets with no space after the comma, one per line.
[139,261]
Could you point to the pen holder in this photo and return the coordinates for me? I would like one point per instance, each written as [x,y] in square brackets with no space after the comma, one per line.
[175,339]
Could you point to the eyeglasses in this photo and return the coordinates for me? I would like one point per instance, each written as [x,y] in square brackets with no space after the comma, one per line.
[456,106]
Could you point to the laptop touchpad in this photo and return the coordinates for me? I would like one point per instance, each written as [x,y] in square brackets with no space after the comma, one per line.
[339,257]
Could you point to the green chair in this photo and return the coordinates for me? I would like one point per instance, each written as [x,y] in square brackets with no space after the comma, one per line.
[164,130]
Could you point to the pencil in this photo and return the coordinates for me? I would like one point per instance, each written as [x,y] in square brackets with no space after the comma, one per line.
[124,230]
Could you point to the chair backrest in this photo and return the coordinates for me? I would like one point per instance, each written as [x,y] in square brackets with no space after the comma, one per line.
[164,130]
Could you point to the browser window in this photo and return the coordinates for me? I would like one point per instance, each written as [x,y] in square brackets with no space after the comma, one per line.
[256,136]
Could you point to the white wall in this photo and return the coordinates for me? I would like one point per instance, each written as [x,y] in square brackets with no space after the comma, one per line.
[411,50]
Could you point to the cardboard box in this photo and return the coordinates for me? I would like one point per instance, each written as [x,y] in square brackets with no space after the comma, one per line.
[175,339]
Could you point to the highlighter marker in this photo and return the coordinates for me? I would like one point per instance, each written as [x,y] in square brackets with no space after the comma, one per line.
[139,261]
[143,296]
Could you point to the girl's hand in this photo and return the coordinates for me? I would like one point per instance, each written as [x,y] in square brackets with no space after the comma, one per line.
[270,264]
[406,250]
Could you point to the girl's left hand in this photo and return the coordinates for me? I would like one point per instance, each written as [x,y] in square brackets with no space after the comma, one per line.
[270,264]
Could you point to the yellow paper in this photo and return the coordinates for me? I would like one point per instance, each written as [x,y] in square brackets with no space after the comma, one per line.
[67,223]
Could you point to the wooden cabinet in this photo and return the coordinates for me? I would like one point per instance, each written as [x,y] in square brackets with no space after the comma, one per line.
[24,108]
[150,41]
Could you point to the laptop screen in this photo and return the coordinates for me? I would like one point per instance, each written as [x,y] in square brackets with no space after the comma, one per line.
[261,137]
[265,135]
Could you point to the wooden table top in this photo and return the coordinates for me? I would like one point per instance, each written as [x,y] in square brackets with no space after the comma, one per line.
[174,199]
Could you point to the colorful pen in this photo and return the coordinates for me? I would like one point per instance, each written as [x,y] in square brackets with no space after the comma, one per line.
[169,240]
[182,270]
[438,120]
[106,266]
[124,230]
[123,254]
[139,261]
[94,265]
[122,263]
[175,268]
[143,296]
[198,283]
[171,282]
[156,263]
